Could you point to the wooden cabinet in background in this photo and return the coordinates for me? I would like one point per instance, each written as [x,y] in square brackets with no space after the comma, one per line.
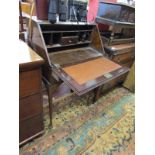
[123,54]
[30,95]
[117,28]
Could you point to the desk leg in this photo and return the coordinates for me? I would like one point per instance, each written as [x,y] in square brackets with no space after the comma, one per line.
[90,99]
[51,88]
[97,93]
[50,105]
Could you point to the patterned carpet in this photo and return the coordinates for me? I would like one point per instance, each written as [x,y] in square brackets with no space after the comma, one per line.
[103,128]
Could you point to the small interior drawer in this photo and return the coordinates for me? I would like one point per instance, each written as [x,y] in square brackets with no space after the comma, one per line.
[69,40]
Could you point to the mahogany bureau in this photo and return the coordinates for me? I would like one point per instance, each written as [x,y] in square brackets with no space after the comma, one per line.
[74,55]
[30,95]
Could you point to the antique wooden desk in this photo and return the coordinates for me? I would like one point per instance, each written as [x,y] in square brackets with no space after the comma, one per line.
[117,29]
[30,95]
[73,54]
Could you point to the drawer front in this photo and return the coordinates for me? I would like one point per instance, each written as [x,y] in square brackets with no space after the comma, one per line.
[29,82]
[124,57]
[69,40]
[30,106]
[126,50]
[113,83]
[128,64]
[114,50]
[30,127]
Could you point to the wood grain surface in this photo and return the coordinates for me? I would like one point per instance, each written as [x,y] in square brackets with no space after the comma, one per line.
[90,70]
[73,56]
[122,46]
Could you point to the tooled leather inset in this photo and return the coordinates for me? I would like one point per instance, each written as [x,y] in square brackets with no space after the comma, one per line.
[91,70]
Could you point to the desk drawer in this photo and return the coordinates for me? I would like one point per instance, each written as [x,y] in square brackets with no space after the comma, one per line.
[29,82]
[125,50]
[30,127]
[121,49]
[123,57]
[113,83]
[69,40]
[128,63]
[30,106]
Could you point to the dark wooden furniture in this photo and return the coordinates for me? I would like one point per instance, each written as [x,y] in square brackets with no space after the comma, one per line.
[74,55]
[116,13]
[30,94]
[117,29]
[123,54]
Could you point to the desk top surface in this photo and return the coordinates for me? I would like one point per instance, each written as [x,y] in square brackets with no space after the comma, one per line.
[27,56]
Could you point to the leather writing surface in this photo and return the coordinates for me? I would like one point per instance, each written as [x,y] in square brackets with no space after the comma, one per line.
[90,70]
